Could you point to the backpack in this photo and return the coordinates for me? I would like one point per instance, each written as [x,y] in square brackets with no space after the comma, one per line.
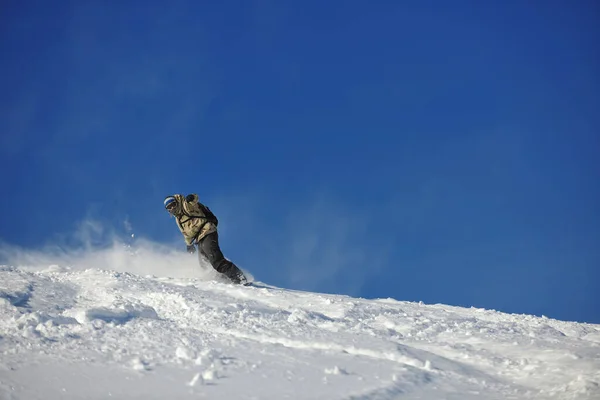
[209,214]
[192,209]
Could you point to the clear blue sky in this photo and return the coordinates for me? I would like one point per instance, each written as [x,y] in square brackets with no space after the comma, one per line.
[443,151]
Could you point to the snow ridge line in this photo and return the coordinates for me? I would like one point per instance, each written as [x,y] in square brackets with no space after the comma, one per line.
[352,350]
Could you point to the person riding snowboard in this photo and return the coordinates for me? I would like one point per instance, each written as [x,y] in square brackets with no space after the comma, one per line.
[199,227]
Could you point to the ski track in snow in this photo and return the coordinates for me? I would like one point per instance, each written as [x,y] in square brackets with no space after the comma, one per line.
[96,334]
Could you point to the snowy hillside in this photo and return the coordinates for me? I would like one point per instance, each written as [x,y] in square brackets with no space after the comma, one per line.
[87,329]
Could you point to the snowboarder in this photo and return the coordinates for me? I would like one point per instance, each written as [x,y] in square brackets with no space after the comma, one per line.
[199,227]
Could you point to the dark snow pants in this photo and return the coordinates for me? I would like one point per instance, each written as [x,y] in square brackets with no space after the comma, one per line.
[209,248]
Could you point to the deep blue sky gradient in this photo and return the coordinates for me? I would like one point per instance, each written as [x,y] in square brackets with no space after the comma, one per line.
[423,150]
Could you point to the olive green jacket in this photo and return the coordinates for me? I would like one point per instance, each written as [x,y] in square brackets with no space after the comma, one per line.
[190,219]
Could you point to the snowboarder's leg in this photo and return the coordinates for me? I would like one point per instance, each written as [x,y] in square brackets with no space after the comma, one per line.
[209,246]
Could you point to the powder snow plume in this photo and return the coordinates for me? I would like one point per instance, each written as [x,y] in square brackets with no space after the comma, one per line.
[146,322]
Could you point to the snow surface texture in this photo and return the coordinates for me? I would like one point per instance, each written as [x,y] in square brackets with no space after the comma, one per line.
[98,327]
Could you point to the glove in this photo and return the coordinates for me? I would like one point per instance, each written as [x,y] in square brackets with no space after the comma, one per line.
[191,249]
[189,198]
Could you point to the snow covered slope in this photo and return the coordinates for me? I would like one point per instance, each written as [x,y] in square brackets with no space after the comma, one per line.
[96,333]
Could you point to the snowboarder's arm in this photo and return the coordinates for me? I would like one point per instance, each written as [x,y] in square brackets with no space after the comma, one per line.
[189,241]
